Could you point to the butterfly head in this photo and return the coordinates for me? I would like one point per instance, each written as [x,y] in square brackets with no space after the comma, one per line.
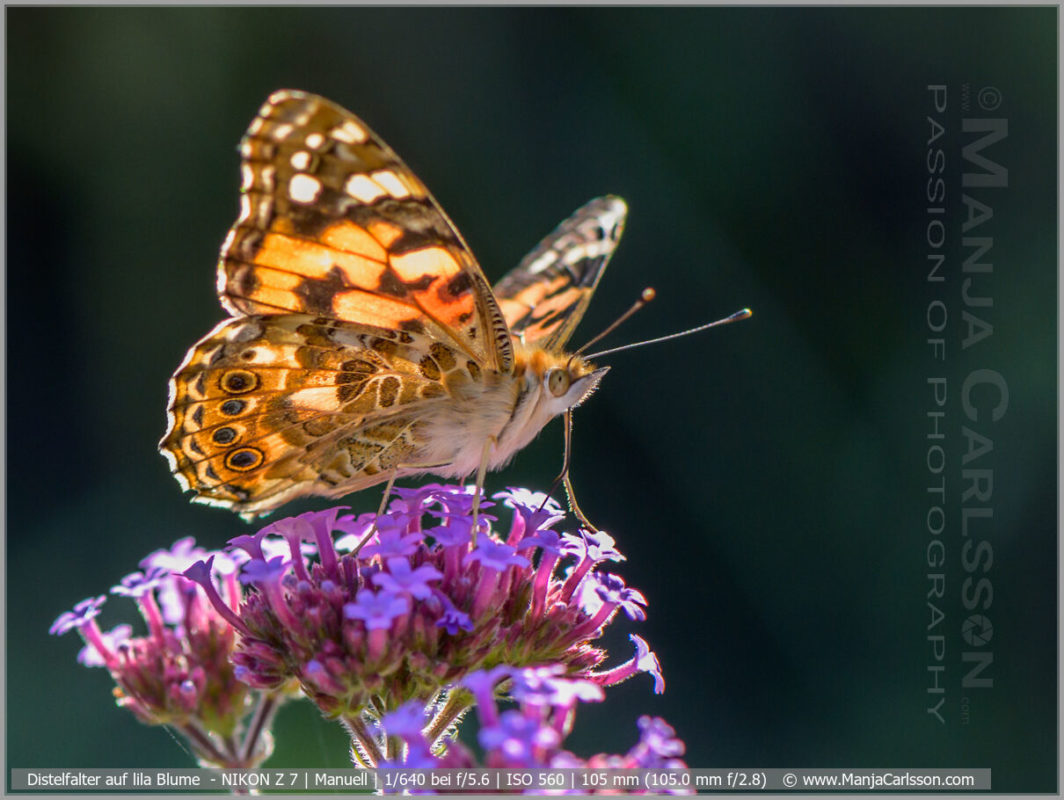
[560,382]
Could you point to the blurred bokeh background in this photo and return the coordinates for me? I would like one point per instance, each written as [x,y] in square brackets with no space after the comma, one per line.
[768,481]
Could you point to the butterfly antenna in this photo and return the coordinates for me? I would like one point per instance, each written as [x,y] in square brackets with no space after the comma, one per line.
[645,297]
[744,313]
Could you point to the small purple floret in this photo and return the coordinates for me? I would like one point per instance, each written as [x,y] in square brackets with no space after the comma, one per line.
[136,584]
[400,578]
[257,571]
[496,556]
[377,610]
[83,612]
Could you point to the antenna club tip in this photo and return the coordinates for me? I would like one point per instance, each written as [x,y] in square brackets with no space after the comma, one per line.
[648,294]
[744,313]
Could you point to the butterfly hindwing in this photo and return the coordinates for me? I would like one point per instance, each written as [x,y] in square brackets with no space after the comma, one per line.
[334,224]
[292,404]
[544,297]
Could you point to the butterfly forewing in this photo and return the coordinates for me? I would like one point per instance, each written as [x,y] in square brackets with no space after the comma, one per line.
[544,297]
[333,223]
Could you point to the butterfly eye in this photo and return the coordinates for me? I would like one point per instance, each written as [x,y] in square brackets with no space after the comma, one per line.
[557,381]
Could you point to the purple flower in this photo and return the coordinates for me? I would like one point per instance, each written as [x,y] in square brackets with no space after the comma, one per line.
[531,736]
[496,556]
[92,656]
[415,501]
[612,591]
[179,673]
[355,530]
[200,573]
[547,541]
[417,609]
[457,532]
[261,572]
[482,683]
[535,511]
[517,741]
[83,612]
[659,739]
[452,620]
[137,584]
[408,721]
[177,558]
[402,579]
[544,686]
[391,539]
[457,501]
[644,661]
[381,625]
[595,545]
[378,609]
[647,661]
[528,502]
[318,675]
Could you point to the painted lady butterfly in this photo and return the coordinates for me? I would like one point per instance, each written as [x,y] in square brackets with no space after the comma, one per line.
[365,343]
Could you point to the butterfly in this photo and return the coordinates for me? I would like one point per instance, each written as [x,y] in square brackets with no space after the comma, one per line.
[365,343]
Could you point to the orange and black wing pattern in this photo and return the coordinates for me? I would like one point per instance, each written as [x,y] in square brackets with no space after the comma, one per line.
[333,224]
[356,309]
[544,297]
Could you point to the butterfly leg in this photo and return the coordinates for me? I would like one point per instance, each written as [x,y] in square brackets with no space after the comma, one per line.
[388,491]
[481,472]
[380,510]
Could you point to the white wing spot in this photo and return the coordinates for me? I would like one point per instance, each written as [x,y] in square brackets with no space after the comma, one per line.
[391,183]
[304,188]
[300,160]
[589,250]
[543,262]
[617,209]
[282,131]
[247,177]
[350,132]
[363,189]
[245,210]
[268,174]
[315,140]
[317,399]
[263,211]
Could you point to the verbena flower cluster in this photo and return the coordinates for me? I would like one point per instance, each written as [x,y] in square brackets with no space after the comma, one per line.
[528,736]
[395,624]
[179,673]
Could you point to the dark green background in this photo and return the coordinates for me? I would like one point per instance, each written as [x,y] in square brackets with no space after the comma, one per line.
[767,480]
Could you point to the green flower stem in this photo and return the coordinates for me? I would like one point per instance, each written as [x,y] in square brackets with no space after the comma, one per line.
[458,702]
[251,754]
[363,746]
